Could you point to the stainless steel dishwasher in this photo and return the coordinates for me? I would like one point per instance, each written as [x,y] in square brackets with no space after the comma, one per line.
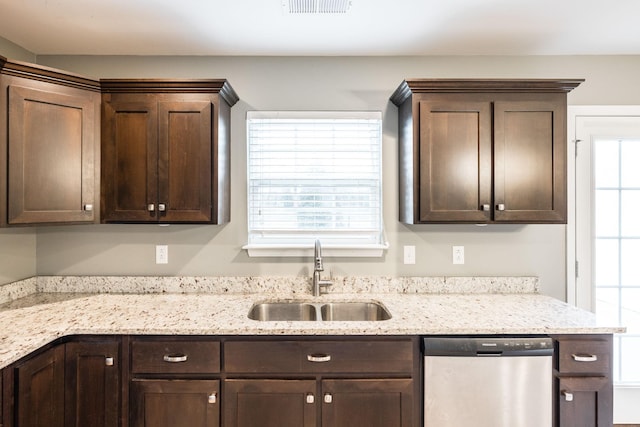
[488,382]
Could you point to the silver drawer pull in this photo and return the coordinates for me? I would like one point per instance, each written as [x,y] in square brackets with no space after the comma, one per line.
[175,358]
[88,208]
[108,361]
[310,398]
[328,398]
[585,357]
[486,207]
[318,358]
[213,398]
[568,396]
[500,207]
[151,207]
[162,207]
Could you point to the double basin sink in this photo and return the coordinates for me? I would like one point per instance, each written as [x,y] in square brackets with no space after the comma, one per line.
[326,311]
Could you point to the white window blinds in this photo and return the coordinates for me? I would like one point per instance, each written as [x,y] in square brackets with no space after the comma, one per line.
[314,175]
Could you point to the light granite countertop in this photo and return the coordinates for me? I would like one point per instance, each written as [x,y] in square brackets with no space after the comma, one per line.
[56,307]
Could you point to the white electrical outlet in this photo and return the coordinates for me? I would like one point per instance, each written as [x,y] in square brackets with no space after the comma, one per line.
[458,254]
[162,254]
[409,254]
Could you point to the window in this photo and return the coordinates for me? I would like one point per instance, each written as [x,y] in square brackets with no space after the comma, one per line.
[314,175]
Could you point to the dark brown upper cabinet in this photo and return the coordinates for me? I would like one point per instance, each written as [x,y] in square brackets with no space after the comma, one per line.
[165,150]
[49,146]
[483,151]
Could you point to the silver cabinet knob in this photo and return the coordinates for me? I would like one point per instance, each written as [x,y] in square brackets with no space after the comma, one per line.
[500,207]
[568,396]
[310,398]
[88,207]
[486,207]
[151,207]
[108,361]
[162,207]
[213,398]
[328,398]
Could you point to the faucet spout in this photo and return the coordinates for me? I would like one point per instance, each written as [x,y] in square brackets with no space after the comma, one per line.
[318,267]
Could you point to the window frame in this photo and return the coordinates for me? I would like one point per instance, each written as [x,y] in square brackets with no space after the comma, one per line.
[329,249]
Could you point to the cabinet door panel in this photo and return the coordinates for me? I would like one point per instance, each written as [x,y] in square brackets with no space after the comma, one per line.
[590,403]
[367,403]
[270,403]
[184,163]
[52,152]
[175,403]
[92,384]
[530,161]
[1,398]
[40,395]
[455,161]
[129,166]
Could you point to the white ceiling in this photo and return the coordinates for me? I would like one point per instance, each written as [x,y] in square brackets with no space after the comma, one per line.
[370,27]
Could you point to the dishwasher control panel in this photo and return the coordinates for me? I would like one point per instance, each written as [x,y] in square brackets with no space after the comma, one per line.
[489,346]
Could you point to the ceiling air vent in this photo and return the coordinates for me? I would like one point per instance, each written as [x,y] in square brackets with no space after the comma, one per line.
[316,6]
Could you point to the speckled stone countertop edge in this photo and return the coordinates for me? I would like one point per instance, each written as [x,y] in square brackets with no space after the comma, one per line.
[30,327]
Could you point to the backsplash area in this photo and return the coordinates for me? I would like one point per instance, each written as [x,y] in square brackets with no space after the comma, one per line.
[276,285]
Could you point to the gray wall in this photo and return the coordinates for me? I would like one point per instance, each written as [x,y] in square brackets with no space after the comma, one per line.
[11,50]
[17,246]
[330,83]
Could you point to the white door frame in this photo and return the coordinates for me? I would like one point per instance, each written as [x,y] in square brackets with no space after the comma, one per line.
[580,290]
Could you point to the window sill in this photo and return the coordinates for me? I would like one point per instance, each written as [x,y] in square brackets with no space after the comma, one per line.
[290,251]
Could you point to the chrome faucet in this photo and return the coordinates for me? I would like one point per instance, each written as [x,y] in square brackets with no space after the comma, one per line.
[318,267]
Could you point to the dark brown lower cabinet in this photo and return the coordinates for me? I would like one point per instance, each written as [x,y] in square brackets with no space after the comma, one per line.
[1,399]
[340,403]
[92,384]
[40,390]
[584,387]
[367,403]
[585,402]
[175,403]
[270,403]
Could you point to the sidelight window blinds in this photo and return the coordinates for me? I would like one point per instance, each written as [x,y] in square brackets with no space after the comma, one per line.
[314,175]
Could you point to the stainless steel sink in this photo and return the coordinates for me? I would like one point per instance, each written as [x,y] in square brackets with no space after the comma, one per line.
[369,311]
[288,311]
[354,311]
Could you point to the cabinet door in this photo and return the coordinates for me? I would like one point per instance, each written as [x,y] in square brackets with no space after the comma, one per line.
[270,403]
[52,155]
[585,402]
[367,403]
[130,161]
[92,380]
[40,394]
[184,162]
[1,398]
[455,161]
[175,403]
[530,151]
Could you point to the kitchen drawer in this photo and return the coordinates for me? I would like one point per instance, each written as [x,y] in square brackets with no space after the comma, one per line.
[284,356]
[175,357]
[585,356]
